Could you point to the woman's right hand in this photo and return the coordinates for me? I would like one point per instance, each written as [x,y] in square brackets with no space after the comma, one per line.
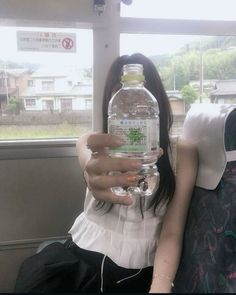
[93,152]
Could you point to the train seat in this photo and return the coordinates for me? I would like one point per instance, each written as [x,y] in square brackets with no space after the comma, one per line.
[208,258]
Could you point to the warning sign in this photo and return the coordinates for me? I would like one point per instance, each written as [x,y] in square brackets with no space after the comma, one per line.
[67,43]
[46,41]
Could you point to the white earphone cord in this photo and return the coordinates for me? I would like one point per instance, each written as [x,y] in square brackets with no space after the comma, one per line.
[144,229]
[108,250]
[110,244]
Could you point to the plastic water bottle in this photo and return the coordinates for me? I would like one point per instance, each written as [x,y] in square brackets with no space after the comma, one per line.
[133,115]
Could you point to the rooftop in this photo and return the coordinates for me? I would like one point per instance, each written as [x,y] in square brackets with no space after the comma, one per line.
[224,87]
[14,72]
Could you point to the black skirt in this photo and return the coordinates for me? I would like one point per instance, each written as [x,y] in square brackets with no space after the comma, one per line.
[67,268]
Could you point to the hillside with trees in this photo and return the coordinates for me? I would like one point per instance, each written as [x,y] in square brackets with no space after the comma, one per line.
[16,65]
[216,54]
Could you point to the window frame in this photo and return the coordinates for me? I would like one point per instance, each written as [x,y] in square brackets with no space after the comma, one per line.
[30,83]
[48,85]
[30,102]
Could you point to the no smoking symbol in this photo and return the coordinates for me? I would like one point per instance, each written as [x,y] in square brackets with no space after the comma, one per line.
[67,43]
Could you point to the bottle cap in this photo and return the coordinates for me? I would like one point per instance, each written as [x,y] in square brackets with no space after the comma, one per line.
[128,78]
[132,72]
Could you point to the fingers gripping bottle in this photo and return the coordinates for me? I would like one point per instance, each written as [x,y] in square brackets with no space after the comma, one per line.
[133,115]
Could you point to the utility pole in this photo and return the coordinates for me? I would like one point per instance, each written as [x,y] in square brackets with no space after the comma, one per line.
[201,74]
[5,82]
[174,78]
[173,70]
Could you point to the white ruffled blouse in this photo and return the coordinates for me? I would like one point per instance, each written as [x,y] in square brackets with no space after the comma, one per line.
[122,234]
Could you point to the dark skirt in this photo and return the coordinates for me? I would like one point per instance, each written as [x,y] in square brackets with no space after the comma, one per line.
[208,263]
[68,268]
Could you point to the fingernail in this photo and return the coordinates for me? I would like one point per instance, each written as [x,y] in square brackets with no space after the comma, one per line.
[129,201]
[133,178]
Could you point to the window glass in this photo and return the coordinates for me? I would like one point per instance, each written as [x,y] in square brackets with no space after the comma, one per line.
[66,104]
[45,92]
[30,102]
[181,9]
[47,85]
[193,68]
[30,83]
[88,104]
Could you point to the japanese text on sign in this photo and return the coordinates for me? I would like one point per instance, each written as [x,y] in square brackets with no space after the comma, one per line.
[46,41]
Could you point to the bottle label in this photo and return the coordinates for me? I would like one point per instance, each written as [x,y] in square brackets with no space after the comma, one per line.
[139,136]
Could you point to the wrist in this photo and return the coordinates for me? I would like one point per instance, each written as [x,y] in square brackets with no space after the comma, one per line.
[161,283]
[167,278]
[159,288]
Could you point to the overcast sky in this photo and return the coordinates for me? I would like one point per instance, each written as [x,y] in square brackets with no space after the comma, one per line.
[182,9]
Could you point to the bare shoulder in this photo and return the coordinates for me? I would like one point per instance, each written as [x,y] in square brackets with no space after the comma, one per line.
[186,173]
[184,145]
[187,158]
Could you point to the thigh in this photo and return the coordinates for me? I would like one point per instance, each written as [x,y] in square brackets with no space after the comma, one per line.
[56,269]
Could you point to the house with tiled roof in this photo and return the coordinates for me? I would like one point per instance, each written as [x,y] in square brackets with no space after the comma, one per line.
[12,83]
[224,92]
[177,102]
[58,90]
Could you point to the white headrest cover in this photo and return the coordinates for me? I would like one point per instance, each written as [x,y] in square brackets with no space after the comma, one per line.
[205,126]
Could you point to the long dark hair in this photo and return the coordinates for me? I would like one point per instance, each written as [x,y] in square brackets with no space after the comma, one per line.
[154,85]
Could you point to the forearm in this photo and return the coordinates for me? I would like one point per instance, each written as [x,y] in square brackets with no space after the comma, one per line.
[166,263]
[171,239]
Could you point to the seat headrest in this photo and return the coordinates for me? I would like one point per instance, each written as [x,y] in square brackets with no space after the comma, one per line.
[205,126]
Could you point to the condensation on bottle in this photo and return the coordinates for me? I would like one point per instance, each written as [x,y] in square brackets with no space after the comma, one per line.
[133,115]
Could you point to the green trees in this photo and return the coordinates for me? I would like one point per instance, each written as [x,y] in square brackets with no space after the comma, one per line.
[214,58]
[189,95]
[179,70]
[14,106]
[220,64]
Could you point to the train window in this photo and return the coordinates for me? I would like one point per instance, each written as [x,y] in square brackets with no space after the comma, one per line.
[46,85]
[181,9]
[192,68]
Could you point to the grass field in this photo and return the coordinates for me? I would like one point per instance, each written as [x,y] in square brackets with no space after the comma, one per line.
[42,131]
[8,132]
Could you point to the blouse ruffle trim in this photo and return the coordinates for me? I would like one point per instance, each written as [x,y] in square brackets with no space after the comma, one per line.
[126,252]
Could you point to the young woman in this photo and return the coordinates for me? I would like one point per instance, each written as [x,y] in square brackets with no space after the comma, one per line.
[120,243]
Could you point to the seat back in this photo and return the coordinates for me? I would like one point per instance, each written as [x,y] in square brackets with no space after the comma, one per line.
[208,261]
[39,201]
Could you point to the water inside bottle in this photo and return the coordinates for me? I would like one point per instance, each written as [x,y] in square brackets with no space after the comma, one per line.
[145,187]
